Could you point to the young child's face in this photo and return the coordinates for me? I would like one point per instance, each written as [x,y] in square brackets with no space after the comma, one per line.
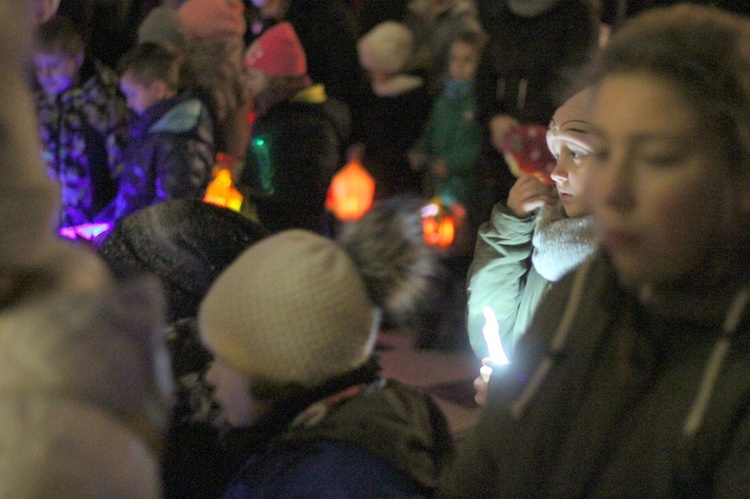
[139,96]
[56,71]
[463,62]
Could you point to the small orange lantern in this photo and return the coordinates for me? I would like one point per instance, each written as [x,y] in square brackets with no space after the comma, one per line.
[221,190]
[438,224]
[351,192]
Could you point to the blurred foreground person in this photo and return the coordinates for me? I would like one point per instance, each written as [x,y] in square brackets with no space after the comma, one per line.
[83,395]
[633,378]
[186,243]
[292,324]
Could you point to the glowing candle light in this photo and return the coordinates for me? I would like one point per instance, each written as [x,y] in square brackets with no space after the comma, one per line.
[491,331]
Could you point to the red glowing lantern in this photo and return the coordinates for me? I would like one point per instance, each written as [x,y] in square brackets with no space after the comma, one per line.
[351,192]
[438,224]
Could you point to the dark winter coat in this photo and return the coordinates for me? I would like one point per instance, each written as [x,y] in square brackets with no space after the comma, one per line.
[525,71]
[294,151]
[82,132]
[169,155]
[633,397]
[390,440]
[390,126]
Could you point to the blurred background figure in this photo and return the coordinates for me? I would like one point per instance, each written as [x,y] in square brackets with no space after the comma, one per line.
[170,152]
[297,135]
[82,119]
[534,52]
[446,152]
[213,68]
[327,30]
[395,110]
[435,24]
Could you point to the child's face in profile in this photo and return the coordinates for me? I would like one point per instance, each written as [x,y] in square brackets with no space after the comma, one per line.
[463,61]
[139,96]
[56,71]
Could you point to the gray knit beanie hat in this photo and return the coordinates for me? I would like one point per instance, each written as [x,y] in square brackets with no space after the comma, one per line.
[291,309]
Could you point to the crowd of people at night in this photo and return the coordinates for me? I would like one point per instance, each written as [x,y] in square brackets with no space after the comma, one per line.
[160,340]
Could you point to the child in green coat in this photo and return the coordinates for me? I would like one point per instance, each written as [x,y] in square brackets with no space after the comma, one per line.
[448,148]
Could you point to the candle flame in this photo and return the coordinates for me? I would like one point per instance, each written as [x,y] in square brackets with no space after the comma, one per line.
[491,331]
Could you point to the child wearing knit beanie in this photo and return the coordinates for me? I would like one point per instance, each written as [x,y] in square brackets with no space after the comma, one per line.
[292,324]
[297,132]
[394,110]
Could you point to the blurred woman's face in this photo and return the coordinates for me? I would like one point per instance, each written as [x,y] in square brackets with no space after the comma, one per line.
[659,187]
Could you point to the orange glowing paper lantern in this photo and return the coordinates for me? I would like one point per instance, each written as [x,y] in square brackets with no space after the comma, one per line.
[221,190]
[438,224]
[351,192]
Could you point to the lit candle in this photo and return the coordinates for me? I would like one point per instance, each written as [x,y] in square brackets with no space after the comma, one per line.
[491,331]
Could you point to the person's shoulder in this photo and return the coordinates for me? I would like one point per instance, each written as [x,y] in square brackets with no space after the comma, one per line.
[183,115]
[349,471]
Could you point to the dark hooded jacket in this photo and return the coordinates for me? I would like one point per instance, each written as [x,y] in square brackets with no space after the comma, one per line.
[390,440]
[169,155]
[294,151]
[616,395]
